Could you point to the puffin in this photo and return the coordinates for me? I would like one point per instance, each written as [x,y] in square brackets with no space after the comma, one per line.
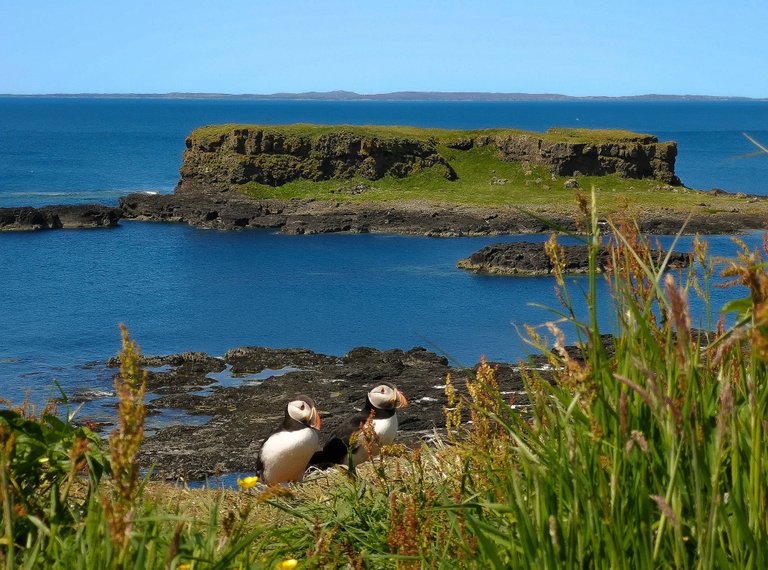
[285,453]
[382,402]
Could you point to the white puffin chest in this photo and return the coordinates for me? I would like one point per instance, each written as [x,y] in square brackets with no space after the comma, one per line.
[385,429]
[285,455]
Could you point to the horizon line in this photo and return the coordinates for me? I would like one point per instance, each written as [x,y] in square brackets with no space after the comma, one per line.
[343,95]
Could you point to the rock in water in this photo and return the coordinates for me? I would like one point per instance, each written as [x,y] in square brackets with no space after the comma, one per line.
[526,258]
[58,217]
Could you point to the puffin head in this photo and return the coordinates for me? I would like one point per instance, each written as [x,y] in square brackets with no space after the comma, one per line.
[386,396]
[303,410]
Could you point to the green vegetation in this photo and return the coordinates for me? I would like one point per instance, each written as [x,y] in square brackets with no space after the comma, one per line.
[477,168]
[439,136]
[650,452]
[484,180]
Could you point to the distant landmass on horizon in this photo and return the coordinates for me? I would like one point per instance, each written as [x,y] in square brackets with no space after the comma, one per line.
[398,96]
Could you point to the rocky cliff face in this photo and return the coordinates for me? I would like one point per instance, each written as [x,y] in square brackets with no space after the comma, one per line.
[269,156]
[638,157]
[221,158]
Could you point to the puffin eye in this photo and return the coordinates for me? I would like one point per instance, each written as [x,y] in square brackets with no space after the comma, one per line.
[301,407]
[382,389]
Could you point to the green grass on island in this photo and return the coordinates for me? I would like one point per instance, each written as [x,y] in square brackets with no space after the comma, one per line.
[440,136]
[484,180]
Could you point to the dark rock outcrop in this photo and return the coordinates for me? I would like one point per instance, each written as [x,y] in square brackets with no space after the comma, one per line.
[525,258]
[226,415]
[58,217]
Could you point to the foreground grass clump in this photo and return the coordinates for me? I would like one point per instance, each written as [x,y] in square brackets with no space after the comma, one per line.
[645,451]
[651,456]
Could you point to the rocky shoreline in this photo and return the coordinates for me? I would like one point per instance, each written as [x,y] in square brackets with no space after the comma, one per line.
[303,217]
[227,211]
[230,211]
[239,399]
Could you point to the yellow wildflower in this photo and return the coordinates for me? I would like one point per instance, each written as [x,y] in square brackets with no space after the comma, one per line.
[185,566]
[288,564]
[247,482]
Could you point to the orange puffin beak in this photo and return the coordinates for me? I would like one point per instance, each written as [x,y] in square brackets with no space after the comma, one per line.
[314,419]
[401,401]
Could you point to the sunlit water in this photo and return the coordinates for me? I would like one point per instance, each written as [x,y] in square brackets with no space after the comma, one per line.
[62,294]
[85,150]
[179,288]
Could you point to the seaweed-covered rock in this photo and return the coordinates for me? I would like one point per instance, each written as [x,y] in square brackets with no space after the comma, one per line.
[232,211]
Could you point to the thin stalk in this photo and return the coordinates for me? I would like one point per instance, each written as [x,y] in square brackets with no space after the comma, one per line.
[64,493]
[594,244]
[699,491]
[7,512]
[667,498]
[709,554]
[756,457]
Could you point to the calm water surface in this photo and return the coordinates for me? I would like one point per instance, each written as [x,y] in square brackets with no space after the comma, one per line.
[179,288]
[62,294]
[85,150]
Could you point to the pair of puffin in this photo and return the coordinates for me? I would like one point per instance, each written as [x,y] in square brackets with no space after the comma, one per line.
[292,447]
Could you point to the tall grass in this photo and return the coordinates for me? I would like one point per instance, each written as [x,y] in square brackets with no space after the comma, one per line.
[654,456]
[643,450]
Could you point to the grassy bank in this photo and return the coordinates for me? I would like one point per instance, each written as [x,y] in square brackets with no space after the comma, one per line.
[649,451]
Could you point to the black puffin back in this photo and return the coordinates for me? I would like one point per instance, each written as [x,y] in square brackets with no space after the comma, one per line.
[336,450]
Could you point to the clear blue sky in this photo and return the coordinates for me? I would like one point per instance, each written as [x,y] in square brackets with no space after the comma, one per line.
[581,47]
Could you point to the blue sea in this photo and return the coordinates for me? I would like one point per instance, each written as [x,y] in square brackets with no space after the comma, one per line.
[63,293]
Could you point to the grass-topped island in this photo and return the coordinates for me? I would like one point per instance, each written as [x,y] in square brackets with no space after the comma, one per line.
[313,179]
